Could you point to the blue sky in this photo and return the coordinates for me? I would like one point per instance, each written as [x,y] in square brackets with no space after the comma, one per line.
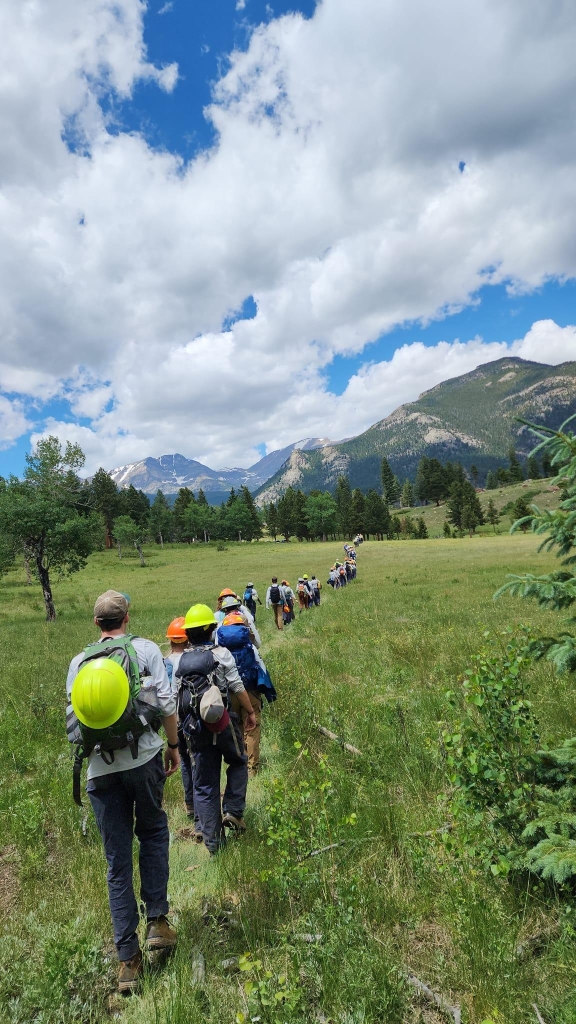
[215,287]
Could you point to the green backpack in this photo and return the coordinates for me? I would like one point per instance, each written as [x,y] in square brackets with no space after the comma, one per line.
[140,715]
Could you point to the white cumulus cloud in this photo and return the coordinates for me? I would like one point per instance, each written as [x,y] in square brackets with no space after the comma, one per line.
[333,195]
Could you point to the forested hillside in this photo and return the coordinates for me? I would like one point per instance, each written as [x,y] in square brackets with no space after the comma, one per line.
[472,419]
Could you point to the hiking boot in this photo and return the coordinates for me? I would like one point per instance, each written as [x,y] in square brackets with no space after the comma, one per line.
[130,974]
[160,934]
[190,812]
[236,824]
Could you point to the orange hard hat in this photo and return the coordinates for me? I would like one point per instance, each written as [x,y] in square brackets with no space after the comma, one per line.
[176,630]
[234,619]
[226,593]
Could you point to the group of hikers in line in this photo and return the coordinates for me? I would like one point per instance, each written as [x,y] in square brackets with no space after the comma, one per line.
[207,695]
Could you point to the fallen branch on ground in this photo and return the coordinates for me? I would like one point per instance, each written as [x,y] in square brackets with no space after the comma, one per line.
[333,736]
[316,853]
[432,997]
[538,1014]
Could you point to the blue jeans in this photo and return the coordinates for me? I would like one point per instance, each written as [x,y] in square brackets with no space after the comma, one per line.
[208,756]
[116,800]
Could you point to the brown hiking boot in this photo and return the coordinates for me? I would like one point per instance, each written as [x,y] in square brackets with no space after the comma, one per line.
[236,824]
[130,974]
[160,934]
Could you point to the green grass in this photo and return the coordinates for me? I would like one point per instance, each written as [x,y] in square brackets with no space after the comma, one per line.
[372,664]
[544,495]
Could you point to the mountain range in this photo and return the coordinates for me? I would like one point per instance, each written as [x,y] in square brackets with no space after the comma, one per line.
[471,419]
[171,472]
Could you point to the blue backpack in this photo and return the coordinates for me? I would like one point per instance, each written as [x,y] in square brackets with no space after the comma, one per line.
[237,640]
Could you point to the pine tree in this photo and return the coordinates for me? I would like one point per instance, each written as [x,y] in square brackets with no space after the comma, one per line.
[474,474]
[492,514]
[376,515]
[515,471]
[202,499]
[271,519]
[184,498]
[446,529]
[161,518]
[461,495]
[491,481]
[135,504]
[358,509]
[105,498]
[343,497]
[547,468]
[421,529]
[469,520]
[395,526]
[254,531]
[390,486]
[533,468]
[521,510]
[408,495]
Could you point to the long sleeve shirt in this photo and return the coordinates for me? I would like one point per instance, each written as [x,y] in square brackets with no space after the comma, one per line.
[153,672]
[282,595]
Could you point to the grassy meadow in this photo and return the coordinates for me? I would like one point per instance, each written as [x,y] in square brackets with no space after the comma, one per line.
[343,882]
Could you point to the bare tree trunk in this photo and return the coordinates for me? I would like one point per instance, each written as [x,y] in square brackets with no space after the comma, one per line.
[118,545]
[46,590]
[140,552]
[161,540]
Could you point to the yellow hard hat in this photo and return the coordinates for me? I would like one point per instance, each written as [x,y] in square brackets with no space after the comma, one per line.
[100,693]
[199,615]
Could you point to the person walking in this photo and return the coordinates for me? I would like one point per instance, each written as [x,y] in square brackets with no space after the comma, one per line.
[233,634]
[126,775]
[208,677]
[288,607]
[303,595]
[233,604]
[275,599]
[250,598]
[176,634]
[315,588]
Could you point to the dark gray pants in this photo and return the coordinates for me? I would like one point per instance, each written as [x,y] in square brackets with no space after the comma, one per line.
[208,758]
[117,799]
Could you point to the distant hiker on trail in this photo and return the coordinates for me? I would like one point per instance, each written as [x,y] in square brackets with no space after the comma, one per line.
[334,578]
[176,634]
[303,594]
[288,609]
[315,588]
[342,575]
[233,634]
[233,604]
[250,598]
[207,676]
[275,599]
[115,685]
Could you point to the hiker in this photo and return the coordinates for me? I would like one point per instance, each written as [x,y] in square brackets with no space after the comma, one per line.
[275,598]
[176,634]
[303,595]
[115,685]
[234,635]
[288,608]
[233,604]
[342,575]
[333,578]
[250,598]
[207,676]
[315,588]
[233,601]
[348,569]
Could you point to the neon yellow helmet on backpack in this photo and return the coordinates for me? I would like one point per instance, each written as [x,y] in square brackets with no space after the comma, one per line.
[100,693]
[198,616]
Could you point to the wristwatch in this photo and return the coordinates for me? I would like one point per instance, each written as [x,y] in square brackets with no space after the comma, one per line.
[173,746]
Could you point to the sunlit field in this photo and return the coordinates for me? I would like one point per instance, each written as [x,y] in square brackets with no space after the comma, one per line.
[343,883]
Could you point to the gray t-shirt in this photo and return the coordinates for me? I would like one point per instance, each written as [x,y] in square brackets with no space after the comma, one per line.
[153,669]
